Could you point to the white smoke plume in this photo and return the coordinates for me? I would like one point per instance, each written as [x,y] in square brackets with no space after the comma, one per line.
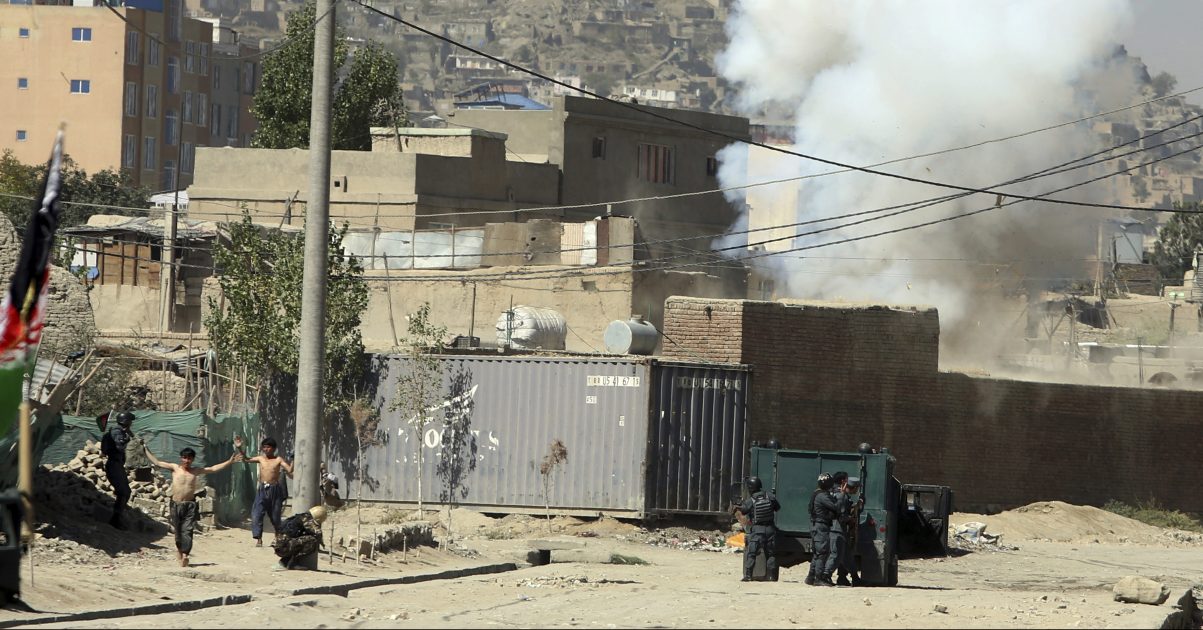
[868,81]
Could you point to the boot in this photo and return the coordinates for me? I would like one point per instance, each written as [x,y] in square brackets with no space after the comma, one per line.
[810,581]
[843,581]
[746,578]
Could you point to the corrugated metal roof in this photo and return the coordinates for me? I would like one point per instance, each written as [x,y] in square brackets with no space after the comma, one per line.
[154,228]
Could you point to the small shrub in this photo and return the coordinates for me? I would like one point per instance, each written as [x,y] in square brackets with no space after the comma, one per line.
[394,515]
[617,558]
[1151,513]
[499,534]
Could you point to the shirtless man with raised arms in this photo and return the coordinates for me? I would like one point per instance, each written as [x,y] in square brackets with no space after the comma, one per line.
[269,499]
[184,510]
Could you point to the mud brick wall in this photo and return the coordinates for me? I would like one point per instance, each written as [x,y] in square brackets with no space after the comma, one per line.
[828,377]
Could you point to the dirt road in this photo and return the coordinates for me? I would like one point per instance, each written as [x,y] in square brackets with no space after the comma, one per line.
[1042,584]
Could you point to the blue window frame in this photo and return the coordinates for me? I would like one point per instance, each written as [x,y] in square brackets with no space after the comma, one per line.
[81,86]
[81,34]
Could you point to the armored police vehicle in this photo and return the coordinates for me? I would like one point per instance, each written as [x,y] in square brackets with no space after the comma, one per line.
[896,517]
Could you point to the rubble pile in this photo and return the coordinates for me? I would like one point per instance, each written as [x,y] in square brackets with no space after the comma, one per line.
[64,550]
[85,478]
[405,536]
[682,538]
[562,581]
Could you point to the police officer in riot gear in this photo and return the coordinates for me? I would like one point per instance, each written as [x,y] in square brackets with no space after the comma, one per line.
[843,529]
[760,508]
[112,445]
[823,512]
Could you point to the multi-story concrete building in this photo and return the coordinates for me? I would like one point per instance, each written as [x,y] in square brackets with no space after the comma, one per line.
[133,88]
[235,73]
[613,152]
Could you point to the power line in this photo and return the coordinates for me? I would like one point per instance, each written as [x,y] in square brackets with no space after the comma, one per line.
[286,41]
[908,207]
[733,138]
[638,268]
[714,259]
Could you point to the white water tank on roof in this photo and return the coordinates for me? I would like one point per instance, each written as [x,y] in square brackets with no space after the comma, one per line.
[532,328]
[633,336]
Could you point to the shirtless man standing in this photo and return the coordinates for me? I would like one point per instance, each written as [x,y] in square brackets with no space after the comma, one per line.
[184,510]
[270,498]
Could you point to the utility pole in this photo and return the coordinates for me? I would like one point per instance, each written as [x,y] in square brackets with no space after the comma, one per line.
[312,358]
[167,271]
[167,253]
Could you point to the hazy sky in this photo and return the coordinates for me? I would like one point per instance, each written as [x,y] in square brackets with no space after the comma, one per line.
[1168,36]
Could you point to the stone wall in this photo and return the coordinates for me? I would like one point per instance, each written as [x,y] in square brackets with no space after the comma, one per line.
[828,377]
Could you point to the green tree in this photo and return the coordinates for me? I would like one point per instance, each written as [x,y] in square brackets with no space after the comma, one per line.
[365,95]
[1180,237]
[20,184]
[261,273]
[421,384]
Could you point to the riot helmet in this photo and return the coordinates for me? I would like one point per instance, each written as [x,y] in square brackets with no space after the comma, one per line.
[125,418]
[865,448]
[825,481]
[754,485]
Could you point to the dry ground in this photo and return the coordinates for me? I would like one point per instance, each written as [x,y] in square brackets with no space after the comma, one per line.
[1058,577]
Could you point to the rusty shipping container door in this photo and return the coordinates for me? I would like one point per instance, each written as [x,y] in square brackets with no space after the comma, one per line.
[514,407]
[697,427]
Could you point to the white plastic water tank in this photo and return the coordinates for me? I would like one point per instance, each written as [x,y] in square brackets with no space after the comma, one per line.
[633,336]
[532,328]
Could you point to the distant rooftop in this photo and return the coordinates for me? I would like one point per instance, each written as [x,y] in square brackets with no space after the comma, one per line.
[437,132]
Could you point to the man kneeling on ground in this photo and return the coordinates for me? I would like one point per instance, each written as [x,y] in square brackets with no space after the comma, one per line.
[300,535]
[184,510]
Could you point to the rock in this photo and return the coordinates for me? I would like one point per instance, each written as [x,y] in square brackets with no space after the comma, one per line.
[941,608]
[1134,589]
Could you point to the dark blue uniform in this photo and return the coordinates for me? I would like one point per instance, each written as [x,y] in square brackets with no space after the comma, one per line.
[112,445]
[823,512]
[761,534]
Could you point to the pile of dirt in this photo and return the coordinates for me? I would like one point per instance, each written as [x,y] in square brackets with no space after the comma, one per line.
[1055,521]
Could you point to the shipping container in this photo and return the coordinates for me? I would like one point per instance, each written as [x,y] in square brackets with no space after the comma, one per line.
[643,437]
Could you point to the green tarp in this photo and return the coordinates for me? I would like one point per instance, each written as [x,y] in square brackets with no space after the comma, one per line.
[166,434]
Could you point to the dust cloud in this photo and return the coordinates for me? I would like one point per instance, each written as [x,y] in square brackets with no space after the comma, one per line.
[867,82]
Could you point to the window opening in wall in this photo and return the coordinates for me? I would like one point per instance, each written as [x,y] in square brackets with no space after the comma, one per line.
[81,86]
[132,54]
[655,163]
[22,83]
[711,166]
[23,33]
[599,147]
[81,34]
[20,135]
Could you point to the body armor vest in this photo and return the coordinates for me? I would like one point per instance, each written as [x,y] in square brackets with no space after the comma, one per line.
[762,510]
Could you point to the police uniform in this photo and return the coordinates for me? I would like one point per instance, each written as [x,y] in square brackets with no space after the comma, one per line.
[823,512]
[842,560]
[112,445]
[761,533]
